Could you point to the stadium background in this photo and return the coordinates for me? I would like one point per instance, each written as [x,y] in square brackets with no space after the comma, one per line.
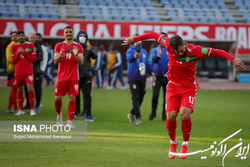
[112,141]
[222,24]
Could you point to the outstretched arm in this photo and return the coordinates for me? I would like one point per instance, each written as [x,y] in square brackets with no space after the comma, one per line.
[236,61]
[132,40]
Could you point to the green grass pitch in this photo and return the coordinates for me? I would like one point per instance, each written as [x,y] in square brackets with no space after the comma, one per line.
[113,142]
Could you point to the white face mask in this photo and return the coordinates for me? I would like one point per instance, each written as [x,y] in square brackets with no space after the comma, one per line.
[82,40]
[137,43]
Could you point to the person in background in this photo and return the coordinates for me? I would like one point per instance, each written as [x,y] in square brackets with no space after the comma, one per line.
[22,55]
[42,67]
[117,73]
[100,66]
[49,78]
[138,66]
[38,73]
[110,65]
[11,77]
[160,60]
[85,73]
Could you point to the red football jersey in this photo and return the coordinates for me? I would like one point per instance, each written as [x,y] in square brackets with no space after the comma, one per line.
[23,62]
[68,66]
[182,69]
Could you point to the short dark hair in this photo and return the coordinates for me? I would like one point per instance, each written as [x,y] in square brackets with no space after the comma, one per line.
[20,32]
[176,41]
[163,33]
[39,34]
[13,32]
[68,27]
[135,35]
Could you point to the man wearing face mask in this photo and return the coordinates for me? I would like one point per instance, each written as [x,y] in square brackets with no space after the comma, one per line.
[181,90]
[85,74]
[138,65]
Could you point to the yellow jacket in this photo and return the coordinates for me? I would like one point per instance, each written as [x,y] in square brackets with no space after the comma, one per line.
[10,65]
[110,60]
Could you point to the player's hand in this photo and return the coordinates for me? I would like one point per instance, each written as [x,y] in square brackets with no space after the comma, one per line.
[62,52]
[75,50]
[20,51]
[128,41]
[159,51]
[238,62]
[154,78]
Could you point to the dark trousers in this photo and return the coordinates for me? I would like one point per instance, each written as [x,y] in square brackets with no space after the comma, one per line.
[160,82]
[38,80]
[137,89]
[85,84]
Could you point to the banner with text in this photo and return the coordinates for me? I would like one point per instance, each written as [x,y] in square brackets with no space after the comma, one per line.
[119,30]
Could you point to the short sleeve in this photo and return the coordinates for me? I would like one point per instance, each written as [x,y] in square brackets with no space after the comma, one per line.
[80,48]
[57,48]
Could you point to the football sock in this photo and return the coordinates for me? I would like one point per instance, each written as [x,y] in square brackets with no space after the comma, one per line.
[10,100]
[186,129]
[14,97]
[171,128]
[71,110]
[31,99]
[20,100]
[58,105]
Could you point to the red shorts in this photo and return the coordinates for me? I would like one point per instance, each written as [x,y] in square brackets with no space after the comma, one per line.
[11,82]
[64,87]
[177,96]
[22,79]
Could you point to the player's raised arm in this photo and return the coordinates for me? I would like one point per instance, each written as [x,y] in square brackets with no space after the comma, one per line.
[79,55]
[236,61]
[132,40]
[58,54]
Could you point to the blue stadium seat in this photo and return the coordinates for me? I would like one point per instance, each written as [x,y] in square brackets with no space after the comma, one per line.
[13,9]
[137,18]
[54,16]
[39,2]
[231,20]
[48,2]
[29,2]
[34,15]
[156,18]
[109,17]
[44,16]
[88,17]
[42,10]
[19,1]
[5,15]
[203,20]
[101,3]
[127,18]
[98,17]
[117,17]
[15,15]
[211,20]
[26,15]
[175,19]
[194,19]
[186,19]
[92,3]
[84,3]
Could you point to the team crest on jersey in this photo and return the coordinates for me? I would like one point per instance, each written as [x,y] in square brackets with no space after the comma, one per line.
[187,59]
[163,40]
